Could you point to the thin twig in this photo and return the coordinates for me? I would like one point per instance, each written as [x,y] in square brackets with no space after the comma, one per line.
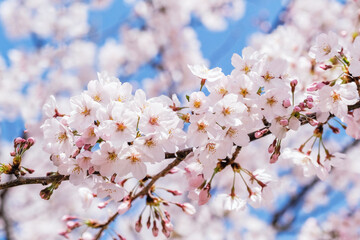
[3,214]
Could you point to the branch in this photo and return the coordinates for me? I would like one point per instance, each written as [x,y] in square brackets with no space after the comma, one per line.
[33,180]
[181,156]
[4,216]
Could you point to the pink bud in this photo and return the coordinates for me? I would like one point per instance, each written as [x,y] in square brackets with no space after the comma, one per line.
[13,154]
[31,141]
[286,103]
[166,233]
[297,109]
[148,223]
[310,105]
[138,225]
[302,105]
[19,140]
[87,147]
[309,99]
[204,196]
[284,122]
[91,170]
[293,84]
[274,158]
[155,229]
[271,148]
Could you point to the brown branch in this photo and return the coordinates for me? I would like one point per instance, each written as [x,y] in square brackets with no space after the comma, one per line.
[4,215]
[181,155]
[33,180]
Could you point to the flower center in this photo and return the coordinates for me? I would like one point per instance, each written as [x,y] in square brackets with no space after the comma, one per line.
[62,137]
[246,69]
[112,157]
[86,112]
[226,111]
[134,157]
[336,97]
[267,77]
[201,127]
[120,127]
[97,98]
[211,147]
[271,101]
[326,49]
[244,92]
[197,103]
[153,120]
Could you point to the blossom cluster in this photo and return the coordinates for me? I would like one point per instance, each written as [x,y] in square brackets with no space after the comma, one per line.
[116,135]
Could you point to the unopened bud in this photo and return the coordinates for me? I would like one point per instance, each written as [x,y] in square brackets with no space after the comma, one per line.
[302,106]
[284,122]
[166,233]
[148,223]
[271,148]
[297,109]
[310,105]
[204,196]
[46,193]
[30,141]
[286,103]
[138,225]
[274,157]
[155,229]
[19,140]
[293,84]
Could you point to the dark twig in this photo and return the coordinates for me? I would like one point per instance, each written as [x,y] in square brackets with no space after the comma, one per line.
[4,215]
